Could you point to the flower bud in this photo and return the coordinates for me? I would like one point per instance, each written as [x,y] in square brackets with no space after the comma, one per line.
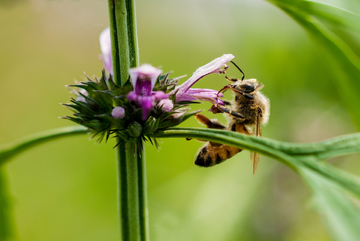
[134,129]
[166,104]
[118,113]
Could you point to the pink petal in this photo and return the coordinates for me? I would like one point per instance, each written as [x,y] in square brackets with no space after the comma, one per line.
[159,95]
[146,105]
[214,101]
[212,67]
[146,72]
[105,45]
[132,96]
[143,87]
[209,92]
[183,97]
[194,94]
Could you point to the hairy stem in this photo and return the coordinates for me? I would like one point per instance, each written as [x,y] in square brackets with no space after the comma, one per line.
[132,193]
[124,43]
[130,161]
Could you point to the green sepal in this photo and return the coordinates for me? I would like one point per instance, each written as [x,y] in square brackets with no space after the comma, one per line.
[188,115]
[176,118]
[81,107]
[106,92]
[103,95]
[123,135]
[106,116]
[163,83]
[97,124]
[150,125]
[122,90]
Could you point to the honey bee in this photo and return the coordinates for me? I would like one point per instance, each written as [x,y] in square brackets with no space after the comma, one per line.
[249,109]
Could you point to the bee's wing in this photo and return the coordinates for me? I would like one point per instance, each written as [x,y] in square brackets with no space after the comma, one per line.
[255,157]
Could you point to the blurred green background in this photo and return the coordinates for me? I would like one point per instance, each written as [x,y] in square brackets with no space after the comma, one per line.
[66,189]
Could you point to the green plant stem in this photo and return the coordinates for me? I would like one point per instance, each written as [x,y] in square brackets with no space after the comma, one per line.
[124,43]
[340,145]
[5,208]
[231,138]
[143,204]
[130,163]
[132,33]
[132,194]
[295,156]
[9,150]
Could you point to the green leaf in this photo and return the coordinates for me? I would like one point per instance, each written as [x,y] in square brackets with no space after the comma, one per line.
[343,61]
[329,184]
[332,15]
[339,213]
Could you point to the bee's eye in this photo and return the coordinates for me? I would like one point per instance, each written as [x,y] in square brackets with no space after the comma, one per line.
[247,88]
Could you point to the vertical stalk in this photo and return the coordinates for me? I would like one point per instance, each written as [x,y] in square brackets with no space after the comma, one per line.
[143,205]
[124,43]
[132,34]
[132,194]
[133,213]
[129,193]
[115,53]
[5,220]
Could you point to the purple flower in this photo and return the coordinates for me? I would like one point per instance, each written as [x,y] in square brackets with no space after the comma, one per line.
[105,45]
[143,79]
[118,112]
[184,91]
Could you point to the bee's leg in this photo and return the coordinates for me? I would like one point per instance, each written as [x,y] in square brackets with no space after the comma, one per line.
[215,107]
[224,70]
[241,129]
[241,92]
[223,89]
[227,102]
[231,112]
[214,124]
[232,79]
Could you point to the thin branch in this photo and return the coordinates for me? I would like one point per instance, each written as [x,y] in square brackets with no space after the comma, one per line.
[9,150]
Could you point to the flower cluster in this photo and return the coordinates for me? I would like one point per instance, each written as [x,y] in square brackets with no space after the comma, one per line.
[147,102]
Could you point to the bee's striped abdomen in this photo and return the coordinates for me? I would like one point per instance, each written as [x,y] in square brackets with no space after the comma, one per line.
[210,155]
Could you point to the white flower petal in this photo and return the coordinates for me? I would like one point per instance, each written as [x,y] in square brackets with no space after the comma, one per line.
[105,46]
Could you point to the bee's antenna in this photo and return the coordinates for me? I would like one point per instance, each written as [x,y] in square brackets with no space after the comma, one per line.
[243,77]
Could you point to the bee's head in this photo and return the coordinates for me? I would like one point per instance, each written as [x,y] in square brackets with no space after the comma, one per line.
[247,85]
